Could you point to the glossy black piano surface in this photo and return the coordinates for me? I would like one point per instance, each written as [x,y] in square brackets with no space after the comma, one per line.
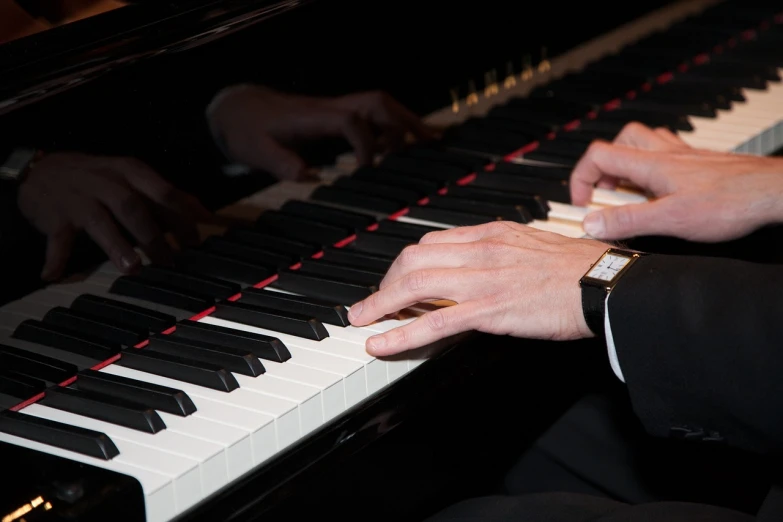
[135,81]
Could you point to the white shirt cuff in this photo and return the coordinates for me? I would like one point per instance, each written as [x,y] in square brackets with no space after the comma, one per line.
[610,343]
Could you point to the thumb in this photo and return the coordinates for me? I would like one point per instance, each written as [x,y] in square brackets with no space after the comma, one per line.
[627,221]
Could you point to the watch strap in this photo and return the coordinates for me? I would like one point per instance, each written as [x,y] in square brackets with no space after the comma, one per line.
[594,309]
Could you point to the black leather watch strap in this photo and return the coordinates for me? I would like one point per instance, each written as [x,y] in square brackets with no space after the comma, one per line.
[594,309]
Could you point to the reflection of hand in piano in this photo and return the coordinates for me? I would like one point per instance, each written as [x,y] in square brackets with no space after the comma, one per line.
[508,279]
[256,125]
[700,195]
[66,192]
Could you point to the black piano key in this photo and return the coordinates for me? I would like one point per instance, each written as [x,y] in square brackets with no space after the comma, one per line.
[467,162]
[262,346]
[340,271]
[200,261]
[450,217]
[97,327]
[19,386]
[516,213]
[550,190]
[8,402]
[161,398]
[561,146]
[160,293]
[548,159]
[267,258]
[377,243]
[702,110]
[489,143]
[334,290]
[356,200]
[648,117]
[521,121]
[238,361]
[276,320]
[65,356]
[182,369]
[402,195]
[534,203]
[67,339]
[423,187]
[57,434]
[342,218]
[410,231]
[123,313]
[326,312]
[36,366]
[105,408]
[200,283]
[550,110]
[532,171]
[302,229]
[260,239]
[347,257]
[425,168]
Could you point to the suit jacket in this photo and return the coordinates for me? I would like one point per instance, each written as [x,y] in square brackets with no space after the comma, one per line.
[700,344]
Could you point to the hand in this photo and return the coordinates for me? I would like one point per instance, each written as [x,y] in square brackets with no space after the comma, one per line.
[696,195]
[258,125]
[506,278]
[67,192]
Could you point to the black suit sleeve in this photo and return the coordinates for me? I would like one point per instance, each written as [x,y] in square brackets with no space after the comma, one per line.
[700,344]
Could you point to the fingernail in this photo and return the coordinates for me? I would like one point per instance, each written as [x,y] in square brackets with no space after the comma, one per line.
[594,224]
[355,311]
[128,262]
[376,343]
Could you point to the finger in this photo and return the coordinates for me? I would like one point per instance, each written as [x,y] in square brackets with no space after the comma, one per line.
[671,138]
[470,233]
[58,250]
[361,137]
[99,225]
[149,183]
[132,211]
[428,328]
[628,221]
[617,161]
[436,255]
[385,112]
[415,287]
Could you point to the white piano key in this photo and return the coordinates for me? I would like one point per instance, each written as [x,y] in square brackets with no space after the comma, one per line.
[308,399]
[210,458]
[425,222]
[183,472]
[617,197]
[217,406]
[235,441]
[567,212]
[159,497]
[558,227]
[305,352]
[331,385]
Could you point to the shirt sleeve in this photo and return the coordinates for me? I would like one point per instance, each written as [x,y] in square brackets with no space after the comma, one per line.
[610,343]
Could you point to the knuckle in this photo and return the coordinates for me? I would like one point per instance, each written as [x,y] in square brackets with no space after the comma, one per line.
[436,320]
[416,281]
[409,255]
[429,237]
[130,204]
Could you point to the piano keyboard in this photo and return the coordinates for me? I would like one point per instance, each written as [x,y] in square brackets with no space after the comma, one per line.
[187,379]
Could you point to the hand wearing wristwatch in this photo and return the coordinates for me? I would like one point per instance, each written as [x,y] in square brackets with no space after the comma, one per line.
[599,281]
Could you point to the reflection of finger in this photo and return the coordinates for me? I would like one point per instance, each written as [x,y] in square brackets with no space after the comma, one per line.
[132,212]
[360,135]
[153,186]
[184,230]
[100,226]
[429,328]
[58,250]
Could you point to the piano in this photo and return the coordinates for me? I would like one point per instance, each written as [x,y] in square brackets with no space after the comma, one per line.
[232,387]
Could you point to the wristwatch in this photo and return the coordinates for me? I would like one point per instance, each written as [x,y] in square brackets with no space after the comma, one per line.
[18,164]
[598,282]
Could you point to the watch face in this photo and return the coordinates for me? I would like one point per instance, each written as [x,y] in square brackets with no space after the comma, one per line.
[608,267]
